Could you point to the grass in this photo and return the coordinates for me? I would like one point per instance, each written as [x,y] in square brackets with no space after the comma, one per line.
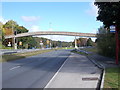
[82,53]
[3,47]
[15,56]
[94,49]
[112,78]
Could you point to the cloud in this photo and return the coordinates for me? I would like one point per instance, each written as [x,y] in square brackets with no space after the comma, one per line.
[3,20]
[30,18]
[34,28]
[93,10]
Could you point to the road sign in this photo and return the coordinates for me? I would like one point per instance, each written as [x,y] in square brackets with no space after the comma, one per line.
[9,44]
[48,41]
[112,29]
[20,43]
[41,44]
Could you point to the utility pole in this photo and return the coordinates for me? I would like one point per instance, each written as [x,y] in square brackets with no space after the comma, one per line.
[114,28]
[117,44]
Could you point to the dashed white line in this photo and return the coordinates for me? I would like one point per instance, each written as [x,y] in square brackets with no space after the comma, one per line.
[15,67]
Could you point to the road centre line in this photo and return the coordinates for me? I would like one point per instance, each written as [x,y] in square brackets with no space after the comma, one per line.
[14,67]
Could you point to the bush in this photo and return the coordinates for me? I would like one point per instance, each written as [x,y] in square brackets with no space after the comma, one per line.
[106,43]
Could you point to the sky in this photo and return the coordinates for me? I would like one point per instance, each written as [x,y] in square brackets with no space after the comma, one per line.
[53,16]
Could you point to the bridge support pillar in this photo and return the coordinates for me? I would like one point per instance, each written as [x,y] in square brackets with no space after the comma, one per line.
[15,43]
[76,43]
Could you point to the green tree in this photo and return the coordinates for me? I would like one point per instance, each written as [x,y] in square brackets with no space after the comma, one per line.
[109,14]
[106,42]
[10,24]
[21,29]
[89,42]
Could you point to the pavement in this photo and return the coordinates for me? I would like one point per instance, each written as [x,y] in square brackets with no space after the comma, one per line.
[105,62]
[76,72]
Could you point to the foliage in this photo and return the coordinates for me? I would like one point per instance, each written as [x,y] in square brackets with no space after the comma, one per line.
[108,13]
[81,42]
[106,42]
[21,29]
[89,42]
[10,24]
[53,43]
[1,34]
[84,42]
[11,27]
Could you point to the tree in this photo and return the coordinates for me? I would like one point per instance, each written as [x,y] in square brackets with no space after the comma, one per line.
[105,42]
[109,14]
[2,32]
[21,29]
[89,42]
[10,26]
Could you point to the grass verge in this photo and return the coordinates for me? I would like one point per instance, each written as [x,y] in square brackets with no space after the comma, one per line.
[82,53]
[15,56]
[93,49]
[112,78]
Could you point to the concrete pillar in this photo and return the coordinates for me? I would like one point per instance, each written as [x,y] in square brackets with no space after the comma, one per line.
[15,44]
[76,43]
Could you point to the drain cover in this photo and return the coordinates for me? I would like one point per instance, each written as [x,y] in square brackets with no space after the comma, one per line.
[93,73]
[90,78]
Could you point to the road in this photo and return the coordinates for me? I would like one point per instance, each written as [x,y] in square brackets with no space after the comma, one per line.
[32,72]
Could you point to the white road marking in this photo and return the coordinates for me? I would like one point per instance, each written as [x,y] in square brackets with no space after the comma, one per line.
[14,67]
[56,73]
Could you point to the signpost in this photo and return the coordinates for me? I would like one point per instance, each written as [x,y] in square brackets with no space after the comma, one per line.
[114,29]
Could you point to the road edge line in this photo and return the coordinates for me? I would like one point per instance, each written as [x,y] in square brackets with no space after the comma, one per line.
[57,72]
[102,75]
[103,79]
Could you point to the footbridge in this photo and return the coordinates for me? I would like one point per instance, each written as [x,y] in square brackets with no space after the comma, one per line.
[51,33]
